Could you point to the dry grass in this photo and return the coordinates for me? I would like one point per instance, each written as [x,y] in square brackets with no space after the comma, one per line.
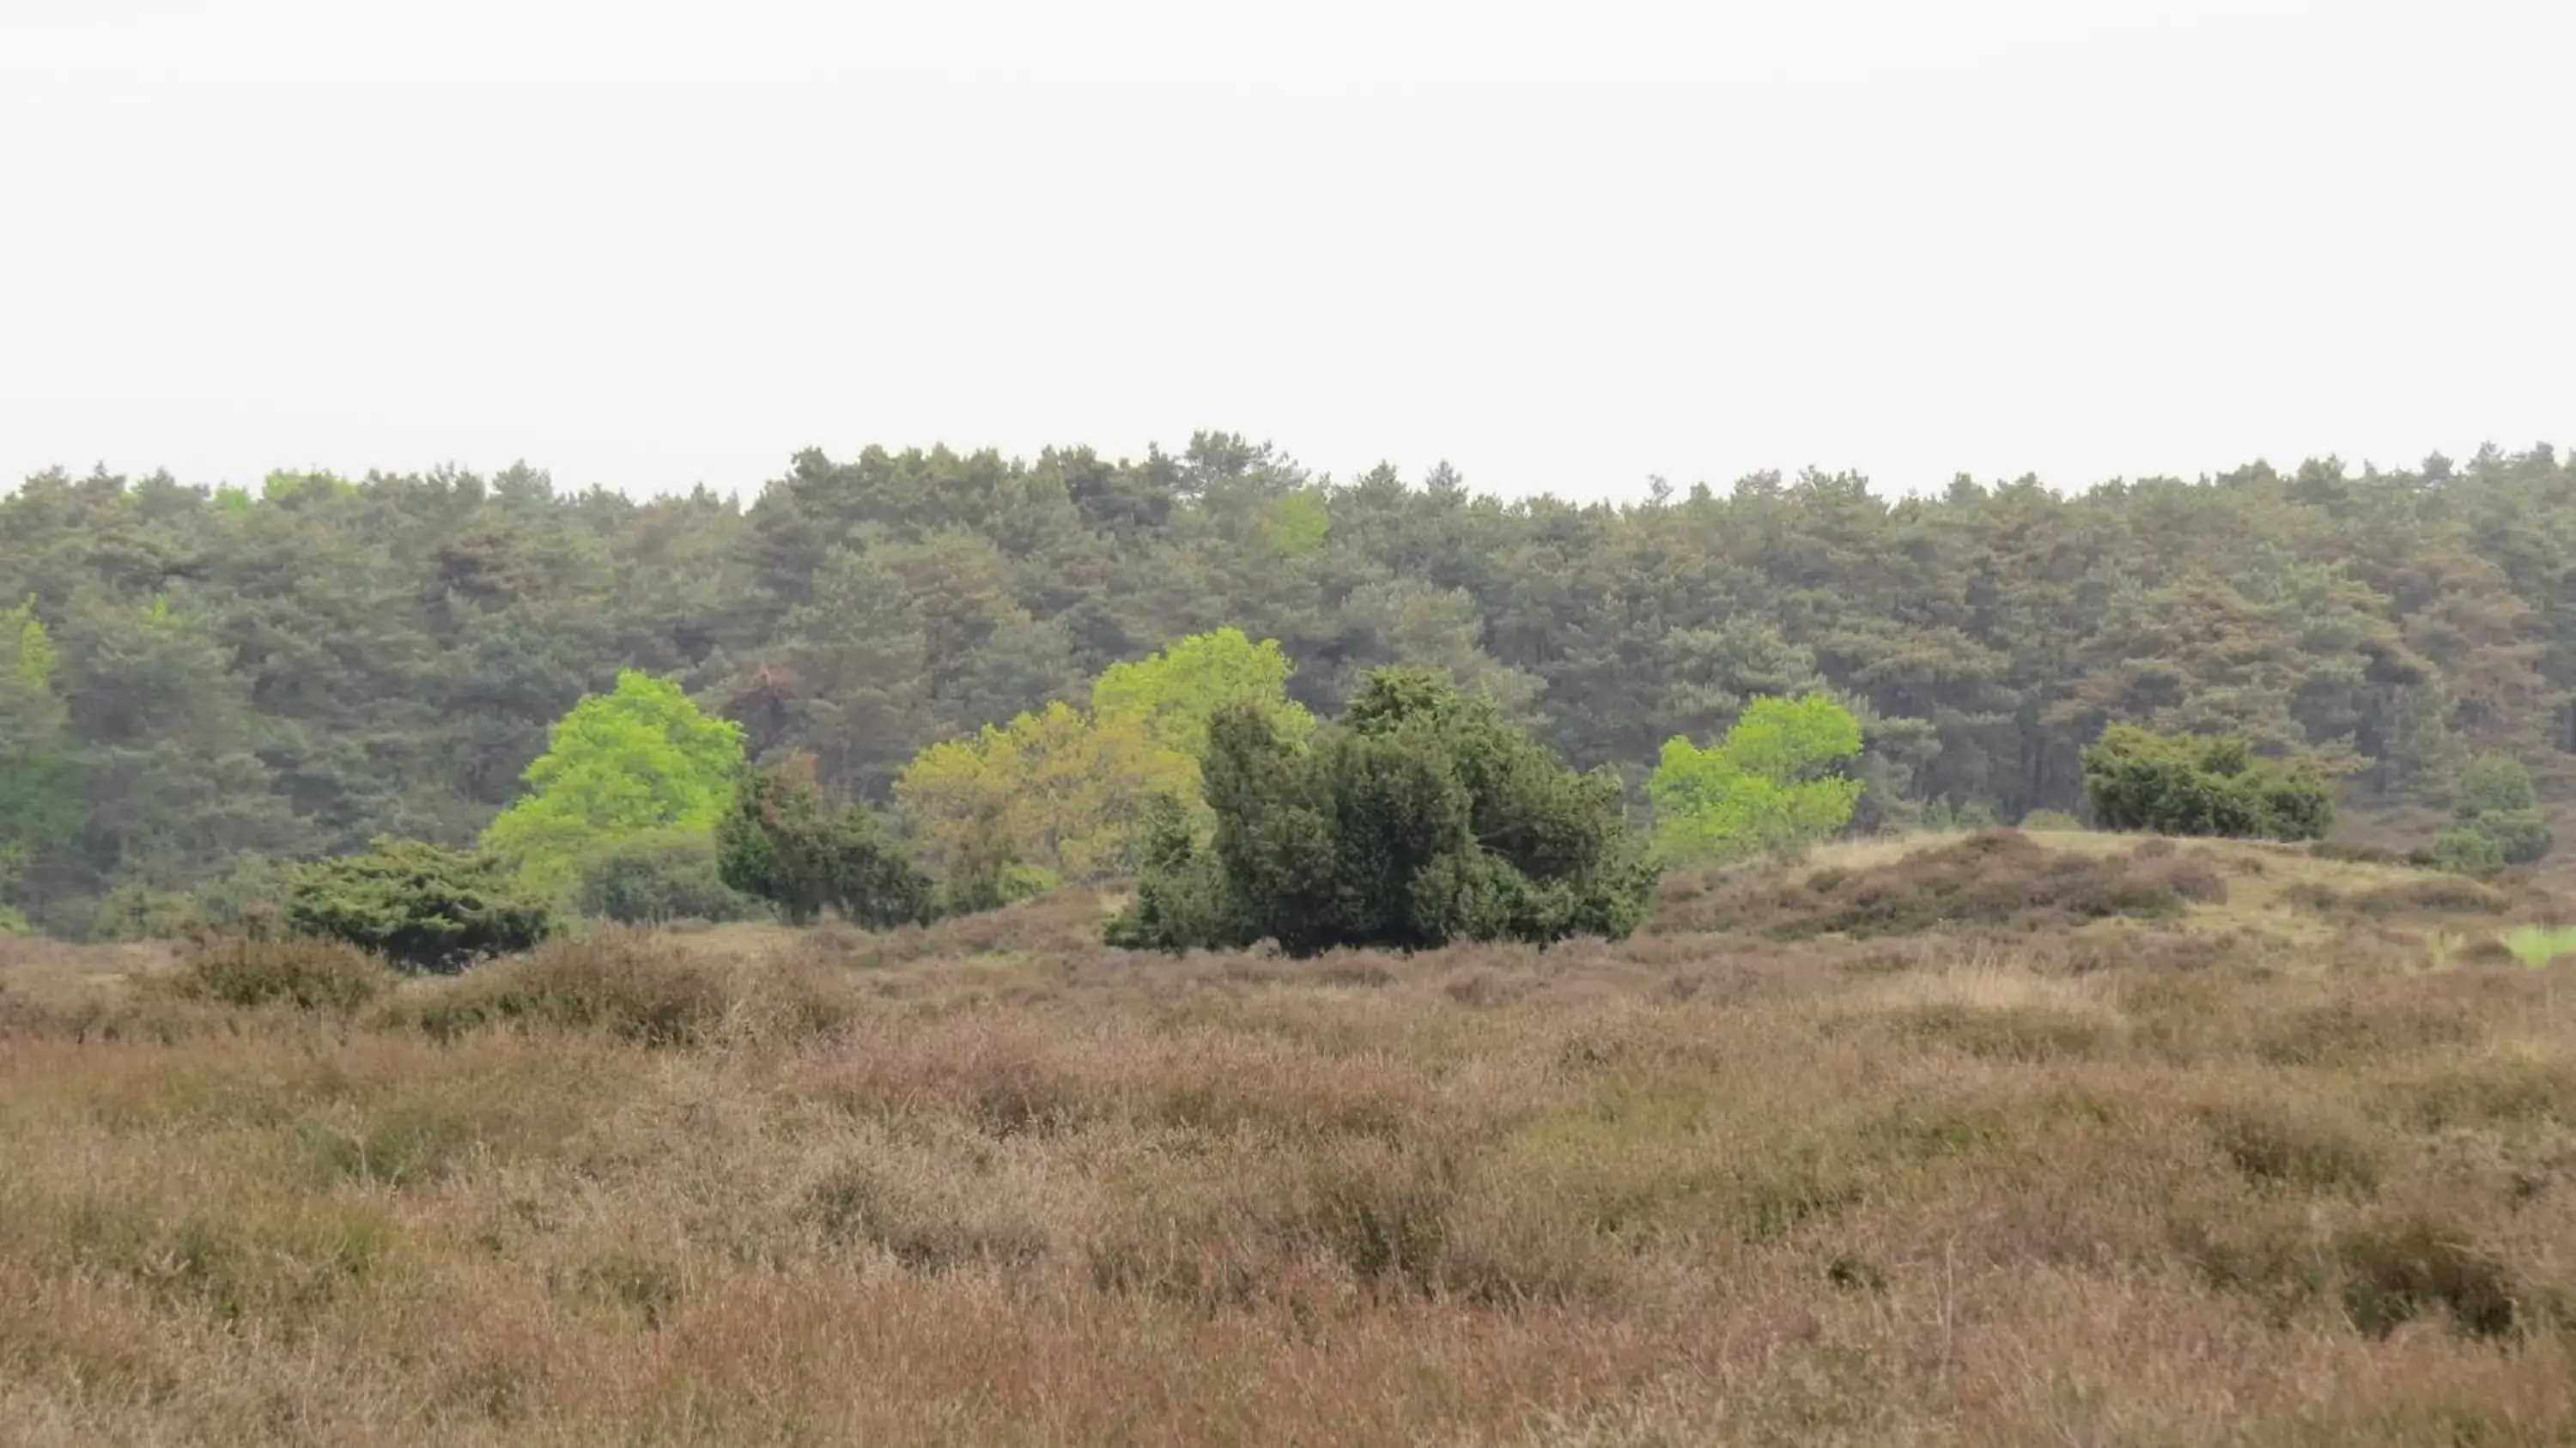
[2241,1171]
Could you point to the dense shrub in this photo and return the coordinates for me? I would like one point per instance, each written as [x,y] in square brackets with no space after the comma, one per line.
[419,905]
[658,877]
[1423,818]
[783,842]
[2493,784]
[2179,784]
[258,967]
[2466,851]
[2499,817]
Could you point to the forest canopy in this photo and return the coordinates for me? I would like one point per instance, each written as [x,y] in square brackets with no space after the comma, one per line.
[196,675]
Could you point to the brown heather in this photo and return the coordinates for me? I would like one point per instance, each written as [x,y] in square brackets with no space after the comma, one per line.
[2067,1143]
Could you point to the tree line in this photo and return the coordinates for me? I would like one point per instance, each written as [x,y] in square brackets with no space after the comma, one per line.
[202,679]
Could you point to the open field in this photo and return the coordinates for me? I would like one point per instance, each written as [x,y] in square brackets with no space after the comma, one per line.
[1982,1141]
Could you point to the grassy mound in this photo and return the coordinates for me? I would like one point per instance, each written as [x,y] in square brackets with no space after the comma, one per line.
[1996,879]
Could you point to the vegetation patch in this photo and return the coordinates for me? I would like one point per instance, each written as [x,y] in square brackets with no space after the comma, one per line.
[420,906]
[635,985]
[2431,895]
[277,1270]
[1991,879]
[2356,1032]
[2394,1273]
[258,968]
[2538,946]
[2024,1033]
[2272,1146]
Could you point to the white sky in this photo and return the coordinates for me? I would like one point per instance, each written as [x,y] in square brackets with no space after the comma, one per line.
[1563,245]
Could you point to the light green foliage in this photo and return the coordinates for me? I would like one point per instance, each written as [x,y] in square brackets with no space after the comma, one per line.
[1423,818]
[638,760]
[1174,693]
[1767,784]
[1066,791]
[1299,523]
[2539,946]
[283,486]
[1058,789]
[418,905]
[35,647]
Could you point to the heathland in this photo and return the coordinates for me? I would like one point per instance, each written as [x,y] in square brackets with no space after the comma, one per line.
[1974,1138]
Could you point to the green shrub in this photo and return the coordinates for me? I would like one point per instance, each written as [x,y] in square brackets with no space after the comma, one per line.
[2195,785]
[2519,835]
[1941,815]
[2050,821]
[138,912]
[2467,851]
[984,875]
[782,841]
[2499,815]
[2493,784]
[665,876]
[254,888]
[419,905]
[1423,818]
[258,968]
[1774,781]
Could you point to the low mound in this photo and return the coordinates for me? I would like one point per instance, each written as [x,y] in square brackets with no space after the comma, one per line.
[1995,878]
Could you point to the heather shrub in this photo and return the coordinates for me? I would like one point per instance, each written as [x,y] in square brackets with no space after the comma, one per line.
[632,984]
[259,968]
[1992,878]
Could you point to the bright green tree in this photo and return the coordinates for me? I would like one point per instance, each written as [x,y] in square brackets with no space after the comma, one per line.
[1174,693]
[1058,789]
[637,760]
[1769,783]
[1068,791]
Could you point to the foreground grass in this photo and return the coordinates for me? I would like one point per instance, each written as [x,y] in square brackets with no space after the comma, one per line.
[2044,1176]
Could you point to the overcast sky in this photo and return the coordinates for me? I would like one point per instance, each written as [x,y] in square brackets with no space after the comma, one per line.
[1562,245]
